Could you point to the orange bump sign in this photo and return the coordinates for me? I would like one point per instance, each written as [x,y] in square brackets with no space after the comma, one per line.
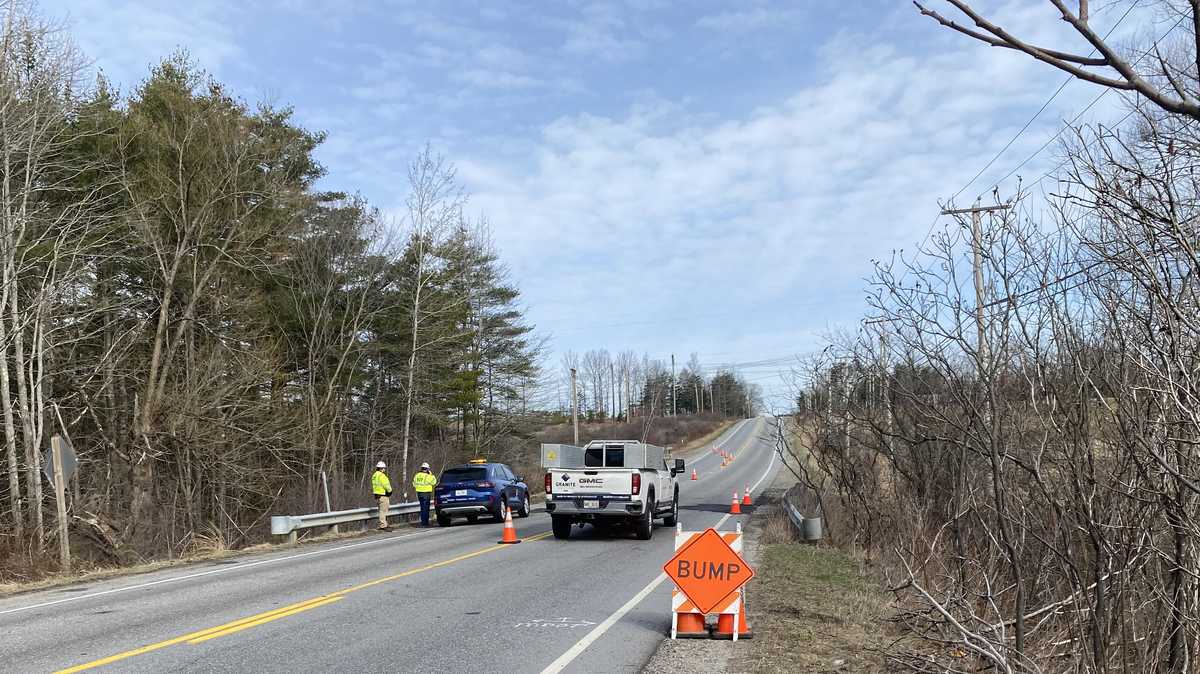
[707,570]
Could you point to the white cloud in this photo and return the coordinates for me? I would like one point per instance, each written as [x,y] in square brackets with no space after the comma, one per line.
[752,19]
[127,37]
[496,79]
[605,31]
[770,218]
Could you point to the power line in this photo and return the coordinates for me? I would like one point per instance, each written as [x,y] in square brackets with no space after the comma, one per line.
[1057,134]
[933,224]
[1038,114]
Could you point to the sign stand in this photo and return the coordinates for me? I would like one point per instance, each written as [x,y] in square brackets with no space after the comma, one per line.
[709,575]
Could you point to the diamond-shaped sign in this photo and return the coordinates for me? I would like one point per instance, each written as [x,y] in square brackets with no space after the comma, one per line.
[707,570]
[68,460]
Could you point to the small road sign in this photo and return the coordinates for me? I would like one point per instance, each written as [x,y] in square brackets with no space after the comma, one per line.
[707,570]
[69,463]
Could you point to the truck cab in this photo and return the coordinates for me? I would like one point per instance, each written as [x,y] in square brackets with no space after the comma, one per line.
[610,482]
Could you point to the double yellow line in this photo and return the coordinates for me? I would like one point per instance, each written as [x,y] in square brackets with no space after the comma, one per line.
[275,614]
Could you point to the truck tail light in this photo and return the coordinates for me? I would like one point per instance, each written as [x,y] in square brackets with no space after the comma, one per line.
[548,483]
[637,483]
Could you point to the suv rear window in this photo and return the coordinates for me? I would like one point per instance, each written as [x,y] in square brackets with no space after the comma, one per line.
[464,475]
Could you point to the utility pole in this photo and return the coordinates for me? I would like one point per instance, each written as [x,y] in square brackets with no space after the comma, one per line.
[977,261]
[672,384]
[574,407]
[612,377]
[628,398]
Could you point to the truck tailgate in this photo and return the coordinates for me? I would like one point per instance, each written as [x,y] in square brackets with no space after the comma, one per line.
[592,482]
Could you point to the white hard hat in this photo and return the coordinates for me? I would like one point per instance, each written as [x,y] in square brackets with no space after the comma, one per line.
[381,465]
[425,465]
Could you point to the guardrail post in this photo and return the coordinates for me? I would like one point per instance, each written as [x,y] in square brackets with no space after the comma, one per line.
[292,537]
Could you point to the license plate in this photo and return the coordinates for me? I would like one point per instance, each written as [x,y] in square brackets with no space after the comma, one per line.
[460,492]
[591,504]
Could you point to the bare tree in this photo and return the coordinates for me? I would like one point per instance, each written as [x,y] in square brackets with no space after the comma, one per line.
[434,207]
[1169,84]
[39,232]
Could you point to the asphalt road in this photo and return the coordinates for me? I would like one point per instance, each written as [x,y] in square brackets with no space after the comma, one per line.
[433,600]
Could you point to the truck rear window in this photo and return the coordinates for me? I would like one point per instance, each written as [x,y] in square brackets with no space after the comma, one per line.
[612,456]
[464,475]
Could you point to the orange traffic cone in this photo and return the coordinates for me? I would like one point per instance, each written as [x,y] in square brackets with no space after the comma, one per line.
[694,474]
[510,532]
[690,626]
[724,628]
[746,497]
[735,508]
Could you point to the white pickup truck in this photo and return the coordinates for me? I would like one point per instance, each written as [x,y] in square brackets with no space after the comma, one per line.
[610,482]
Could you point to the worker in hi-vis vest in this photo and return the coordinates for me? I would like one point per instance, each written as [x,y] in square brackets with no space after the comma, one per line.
[381,487]
[424,482]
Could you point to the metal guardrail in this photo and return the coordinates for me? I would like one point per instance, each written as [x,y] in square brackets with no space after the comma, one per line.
[288,525]
[809,528]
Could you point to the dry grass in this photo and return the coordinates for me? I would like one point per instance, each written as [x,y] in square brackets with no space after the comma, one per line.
[675,432]
[704,440]
[778,529]
[814,610]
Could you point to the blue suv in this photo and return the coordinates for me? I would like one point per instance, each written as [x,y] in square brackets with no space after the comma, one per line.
[479,488]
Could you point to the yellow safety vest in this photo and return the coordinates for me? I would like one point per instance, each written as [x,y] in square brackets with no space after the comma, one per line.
[424,482]
[380,484]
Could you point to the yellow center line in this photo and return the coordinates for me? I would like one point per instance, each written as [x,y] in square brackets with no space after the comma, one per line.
[260,621]
[275,614]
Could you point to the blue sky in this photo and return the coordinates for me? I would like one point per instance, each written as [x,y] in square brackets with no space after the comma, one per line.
[668,177]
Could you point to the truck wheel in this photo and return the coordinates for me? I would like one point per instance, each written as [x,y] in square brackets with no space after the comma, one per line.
[561,526]
[645,523]
[673,519]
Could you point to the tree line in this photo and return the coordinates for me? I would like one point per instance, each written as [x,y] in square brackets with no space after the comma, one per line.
[209,330]
[1018,450]
[622,387]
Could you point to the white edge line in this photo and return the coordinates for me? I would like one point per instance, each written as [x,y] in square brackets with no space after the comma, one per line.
[210,572]
[725,438]
[598,631]
[767,472]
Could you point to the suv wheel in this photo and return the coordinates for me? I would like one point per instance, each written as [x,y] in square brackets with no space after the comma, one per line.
[523,511]
[673,519]
[561,526]
[443,519]
[645,523]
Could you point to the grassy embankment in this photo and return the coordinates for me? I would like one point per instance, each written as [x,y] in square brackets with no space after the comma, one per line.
[813,608]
